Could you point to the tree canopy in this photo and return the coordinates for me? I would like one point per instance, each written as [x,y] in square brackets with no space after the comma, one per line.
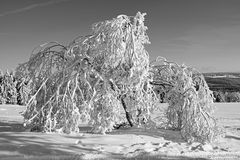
[106,78]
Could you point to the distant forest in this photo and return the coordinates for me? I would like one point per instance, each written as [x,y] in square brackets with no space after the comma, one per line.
[225,86]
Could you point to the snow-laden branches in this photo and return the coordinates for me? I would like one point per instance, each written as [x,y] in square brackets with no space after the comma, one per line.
[190,100]
[105,79]
[101,78]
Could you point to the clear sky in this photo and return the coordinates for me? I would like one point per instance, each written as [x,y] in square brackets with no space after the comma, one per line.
[201,33]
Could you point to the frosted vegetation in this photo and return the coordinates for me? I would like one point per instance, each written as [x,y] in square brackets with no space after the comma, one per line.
[105,79]
[13,90]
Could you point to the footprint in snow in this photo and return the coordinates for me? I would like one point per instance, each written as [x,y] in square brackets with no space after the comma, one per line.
[166,144]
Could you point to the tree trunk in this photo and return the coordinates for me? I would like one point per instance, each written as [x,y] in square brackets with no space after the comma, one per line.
[128,114]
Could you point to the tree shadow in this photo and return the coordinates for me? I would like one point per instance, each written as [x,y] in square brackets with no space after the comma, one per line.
[170,135]
[166,158]
[15,141]
[232,137]
[11,126]
[147,156]
[14,144]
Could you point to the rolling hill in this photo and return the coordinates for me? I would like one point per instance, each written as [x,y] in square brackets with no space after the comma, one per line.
[224,81]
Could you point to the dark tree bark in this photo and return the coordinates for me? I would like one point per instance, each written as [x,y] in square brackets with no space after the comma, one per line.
[128,114]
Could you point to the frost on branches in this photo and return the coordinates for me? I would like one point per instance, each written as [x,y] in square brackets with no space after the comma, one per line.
[190,100]
[101,79]
[105,79]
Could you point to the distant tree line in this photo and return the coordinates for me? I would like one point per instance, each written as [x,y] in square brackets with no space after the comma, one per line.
[219,96]
[13,90]
[226,96]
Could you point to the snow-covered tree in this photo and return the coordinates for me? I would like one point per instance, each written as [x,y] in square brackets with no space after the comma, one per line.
[2,97]
[232,97]
[190,100]
[219,96]
[101,78]
[10,92]
[106,78]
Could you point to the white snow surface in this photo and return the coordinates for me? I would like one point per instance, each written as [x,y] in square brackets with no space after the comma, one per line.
[17,142]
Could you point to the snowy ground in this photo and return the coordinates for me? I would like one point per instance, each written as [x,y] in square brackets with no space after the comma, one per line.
[136,143]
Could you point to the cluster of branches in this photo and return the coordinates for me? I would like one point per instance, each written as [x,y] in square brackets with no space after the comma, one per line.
[100,79]
[106,79]
[190,100]
[12,89]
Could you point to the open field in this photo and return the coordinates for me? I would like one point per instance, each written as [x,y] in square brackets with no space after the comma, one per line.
[16,142]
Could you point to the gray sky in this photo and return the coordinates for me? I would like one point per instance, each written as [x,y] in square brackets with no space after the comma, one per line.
[201,33]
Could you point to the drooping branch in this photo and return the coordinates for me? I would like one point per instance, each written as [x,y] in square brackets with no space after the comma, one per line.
[106,79]
[189,99]
[88,77]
